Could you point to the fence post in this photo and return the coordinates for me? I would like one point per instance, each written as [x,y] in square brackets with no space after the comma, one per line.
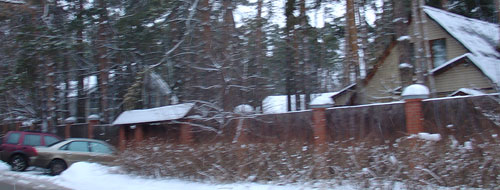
[121,137]
[186,136]
[319,106]
[19,122]
[67,128]
[240,136]
[138,133]
[319,126]
[413,96]
[4,128]
[93,121]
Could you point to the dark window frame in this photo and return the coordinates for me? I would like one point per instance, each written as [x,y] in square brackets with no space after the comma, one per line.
[431,44]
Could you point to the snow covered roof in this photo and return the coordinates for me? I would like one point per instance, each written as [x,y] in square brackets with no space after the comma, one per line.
[479,37]
[278,103]
[323,99]
[467,91]
[489,66]
[244,109]
[165,113]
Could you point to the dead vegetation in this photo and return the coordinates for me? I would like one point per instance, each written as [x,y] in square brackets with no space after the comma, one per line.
[409,161]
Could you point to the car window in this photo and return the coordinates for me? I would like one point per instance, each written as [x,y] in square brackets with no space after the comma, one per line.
[50,140]
[78,146]
[13,138]
[100,148]
[32,140]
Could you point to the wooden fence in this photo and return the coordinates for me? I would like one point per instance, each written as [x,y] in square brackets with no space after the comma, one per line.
[464,117]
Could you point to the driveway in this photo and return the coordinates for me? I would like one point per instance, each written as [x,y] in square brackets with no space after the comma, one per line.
[18,181]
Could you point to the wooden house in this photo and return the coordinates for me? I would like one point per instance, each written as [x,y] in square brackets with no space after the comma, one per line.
[463,53]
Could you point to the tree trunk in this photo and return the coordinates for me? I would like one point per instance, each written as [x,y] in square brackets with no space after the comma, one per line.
[229,98]
[290,59]
[354,50]
[305,68]
[80,74]
[497,9]
[259,90]
[427,50]
[401,29]
[102,60]
[418,42]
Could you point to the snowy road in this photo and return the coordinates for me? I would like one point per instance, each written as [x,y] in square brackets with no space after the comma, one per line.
[89,176]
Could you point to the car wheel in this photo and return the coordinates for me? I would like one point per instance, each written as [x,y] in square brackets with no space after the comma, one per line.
[57,166]
[18,163]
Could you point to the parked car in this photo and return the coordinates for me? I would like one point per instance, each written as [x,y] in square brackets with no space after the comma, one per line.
[63,154]
[17,147]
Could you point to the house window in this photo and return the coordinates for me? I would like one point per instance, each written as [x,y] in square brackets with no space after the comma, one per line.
[412,53]
[438,52]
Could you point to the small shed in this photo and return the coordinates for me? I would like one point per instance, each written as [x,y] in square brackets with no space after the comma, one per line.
[166,122]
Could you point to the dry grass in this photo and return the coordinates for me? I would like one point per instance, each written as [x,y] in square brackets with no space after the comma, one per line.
[410,161]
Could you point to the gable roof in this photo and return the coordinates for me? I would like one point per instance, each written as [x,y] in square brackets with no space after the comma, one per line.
[479,37]
[466,91]
[490,67]
[159,114]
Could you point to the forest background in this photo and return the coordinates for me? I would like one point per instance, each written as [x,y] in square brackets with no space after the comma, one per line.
[74,58]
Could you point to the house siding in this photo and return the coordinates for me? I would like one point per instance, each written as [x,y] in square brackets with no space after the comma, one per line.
[344,98]
[434,31]
[386,77]
[459,76]
[462,75]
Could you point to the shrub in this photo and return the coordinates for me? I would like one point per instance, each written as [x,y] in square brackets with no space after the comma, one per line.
[410,161]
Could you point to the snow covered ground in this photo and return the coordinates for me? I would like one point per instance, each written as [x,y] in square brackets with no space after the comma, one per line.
[89,176]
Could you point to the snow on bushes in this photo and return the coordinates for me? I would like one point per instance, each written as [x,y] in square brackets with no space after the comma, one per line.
[411,162]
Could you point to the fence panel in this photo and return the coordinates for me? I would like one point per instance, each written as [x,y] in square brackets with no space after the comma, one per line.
[378,122]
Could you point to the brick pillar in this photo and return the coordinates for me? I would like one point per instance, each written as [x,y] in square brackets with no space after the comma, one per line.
[67,128]
[121,138]
[5,128]
[414,116]
[319,126]
[240,136]
[18,125]
[186,136]
[139,133]
[413,96]
[93,121]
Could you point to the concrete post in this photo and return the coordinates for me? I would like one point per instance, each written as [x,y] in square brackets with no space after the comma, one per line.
[93,121]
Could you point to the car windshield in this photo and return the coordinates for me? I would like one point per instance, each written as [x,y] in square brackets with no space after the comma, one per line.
[54,143]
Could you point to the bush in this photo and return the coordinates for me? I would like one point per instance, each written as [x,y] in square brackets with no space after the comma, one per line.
[410,161]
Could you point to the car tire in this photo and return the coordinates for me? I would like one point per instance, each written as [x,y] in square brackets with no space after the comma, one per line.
[18,163]
[57,167]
